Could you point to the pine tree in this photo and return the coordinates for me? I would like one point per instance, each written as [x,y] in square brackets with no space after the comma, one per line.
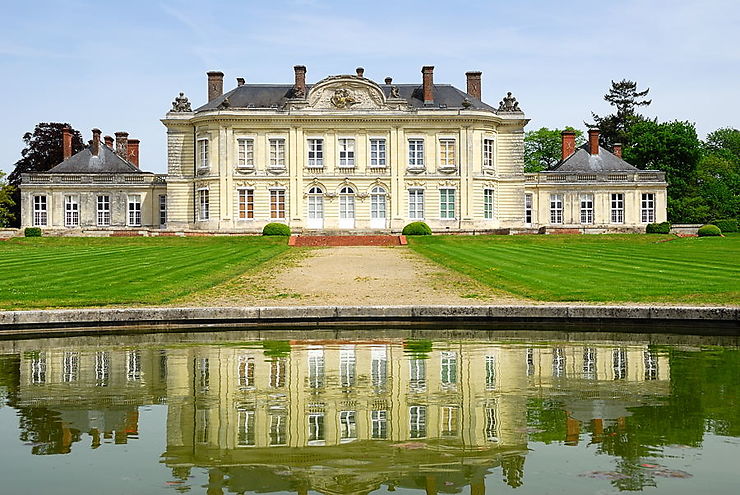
[614,127]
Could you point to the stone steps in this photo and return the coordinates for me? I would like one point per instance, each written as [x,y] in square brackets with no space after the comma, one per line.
[347,240]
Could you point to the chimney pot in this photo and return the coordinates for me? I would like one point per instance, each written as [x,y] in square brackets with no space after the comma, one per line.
[122,144]
[568,144]
[300,80]
[133,152]
[108,141]
[95,145]
[428,84]
[388,80]
[617,149]
[474,87]
[360,71]
[240,81]
[67,141]
[593,141]
[215,84]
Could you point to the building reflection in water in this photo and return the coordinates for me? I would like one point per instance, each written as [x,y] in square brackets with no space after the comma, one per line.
[335,417]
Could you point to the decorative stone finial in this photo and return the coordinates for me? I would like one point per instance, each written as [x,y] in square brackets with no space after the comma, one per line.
[181,104]
[394,92]
[509,104]
[466,103]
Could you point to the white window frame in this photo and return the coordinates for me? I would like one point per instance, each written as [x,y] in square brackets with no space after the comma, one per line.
[245,431]
[488,152]
[102,210]
[447,200]
[417,421]
[617,207]
[415,153]
[245,152]
[275,203]
[347,426]
[378,152]
[315,152]
[587,208]
[346,152]
[447,153]
[528,208]
[378,203]
[557,208]
[647,207]
[488,203]
[162,209]
[245,203]
[316,428]
[277,152]
[379,421]
[133,210]
[416,203]
[204,204]
[203,153]
[71,210]
[40,210]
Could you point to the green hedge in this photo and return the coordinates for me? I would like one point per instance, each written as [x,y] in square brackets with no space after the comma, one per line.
[727,225]
[709,230]
[658,228]
[276,229]
[32,232]
[417,228]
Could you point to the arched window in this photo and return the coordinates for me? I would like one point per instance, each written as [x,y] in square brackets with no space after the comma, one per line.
[377,190]
[346,190]
[315,190]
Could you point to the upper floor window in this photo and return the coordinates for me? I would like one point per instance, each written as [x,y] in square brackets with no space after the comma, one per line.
[71,211]
[277,153]
[134,210]
[416,153]
[103,210]
[377,153]
[203,153]
[40,211]
[447,154]
[587,208]
[617,204]
[488,153]
[245,151]
[203,204]
[647,207]
[315,152]
[346,152]
[556,208]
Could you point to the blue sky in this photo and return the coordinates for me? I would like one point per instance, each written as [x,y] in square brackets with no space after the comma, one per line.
[118,65]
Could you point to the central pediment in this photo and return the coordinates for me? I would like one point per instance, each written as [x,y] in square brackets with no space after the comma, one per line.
[344,93]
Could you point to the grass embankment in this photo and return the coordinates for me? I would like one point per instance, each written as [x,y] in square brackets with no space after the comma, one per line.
[598,268]
[77,272]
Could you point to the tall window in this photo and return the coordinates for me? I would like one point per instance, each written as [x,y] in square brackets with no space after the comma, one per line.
[447,153]
[277,153]
[40,211]
[38,368]
[488,153]
[589,363]
[558,362]
[279,428]
[71,211]
[416,203]
[587,208]
[103,210]
[102,368]
[379,420]
[416,153]
[277,203]
[246,204]
[379,367]
[203,204]
[316,368]
[490,372]
[447,203]
[448,369]
[650,360]
[70,366]
[647,207]
[491,435]
[619,363]
[347,366]
[417,374]
[245,427]
[203,153]
[316,434]
[449,421]
[617,201]
[377,203]
[315,152]
[418,421]
[134,210]
[377,153]
[346,152]
[133,366]
[162,209]
[315,203]
[245,372]
[528,208]
[245,153]
[278,372]
[556,208]
[488,203]
[346,203]
[347,426]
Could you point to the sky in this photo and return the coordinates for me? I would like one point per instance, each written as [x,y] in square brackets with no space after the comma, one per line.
[118,65]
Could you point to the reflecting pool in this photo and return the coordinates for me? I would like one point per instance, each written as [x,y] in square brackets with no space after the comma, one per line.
[369,412]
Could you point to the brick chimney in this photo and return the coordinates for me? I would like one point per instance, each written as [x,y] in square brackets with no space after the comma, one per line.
[593,141]
[67,141]
[568,143]
[428,83]
[360,71]
[95,143]
[474,83]
[133,152]
[300,79]
[122,144]
[240,81]
[215,84]
[109,141]
[617,150]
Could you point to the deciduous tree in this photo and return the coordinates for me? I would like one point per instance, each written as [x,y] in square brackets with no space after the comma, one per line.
[542,148]
[6,202]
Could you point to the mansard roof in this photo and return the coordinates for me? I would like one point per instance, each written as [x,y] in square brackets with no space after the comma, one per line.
[277,95]
[107,162]
[583,161]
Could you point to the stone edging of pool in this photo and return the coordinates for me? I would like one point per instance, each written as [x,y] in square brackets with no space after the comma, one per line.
[679,319]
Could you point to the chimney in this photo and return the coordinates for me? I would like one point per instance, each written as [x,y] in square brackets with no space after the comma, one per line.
[617,150]
[388,80]
[300,80]
[474,83]
[122,144]
[95,143]
[360,71]
[133,152]
[67,141]
[568,143]
[240,81]
[428,80]
[593,141]
[109,141]
[215,84]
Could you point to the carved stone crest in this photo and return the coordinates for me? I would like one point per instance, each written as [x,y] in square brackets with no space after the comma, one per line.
[394,92]
[343,99]
[509,104]
[181,104]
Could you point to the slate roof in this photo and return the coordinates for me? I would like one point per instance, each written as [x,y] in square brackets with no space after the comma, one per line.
[107,162]
[276,95]
[583,161]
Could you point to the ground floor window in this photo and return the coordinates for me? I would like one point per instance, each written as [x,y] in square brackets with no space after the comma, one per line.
[103,210]
[528,208]
[377,203]
[277,203]
[587,208]
[617,204]
[447,203]
[647,207]
[203,204]
[488,203]
[416,204]
[162,209]
[347,203]
[556,208]
[134,210]
[40,211]
[246,204]
[71,211]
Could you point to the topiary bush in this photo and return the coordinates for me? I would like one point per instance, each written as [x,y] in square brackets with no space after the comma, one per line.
[276,229]
[709,230]
[726,225]
[417,228]
[658,228]
[32,232]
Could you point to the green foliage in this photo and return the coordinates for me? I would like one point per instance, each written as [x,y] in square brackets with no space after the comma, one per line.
[32,232]
[542,148]
[615,127]
[417,228]
[709,230]
[276,348]
[724,142]
[727,225]
[658,228]
[276,229]
[7,212]
[418,349]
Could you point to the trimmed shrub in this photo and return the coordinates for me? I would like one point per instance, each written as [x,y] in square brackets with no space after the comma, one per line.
[417,228]
[658,228]
[727,225]
[32,232]
[276,229]
[709,230]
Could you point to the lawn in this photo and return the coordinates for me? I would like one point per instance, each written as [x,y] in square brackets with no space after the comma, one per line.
[599,268]
[76,272]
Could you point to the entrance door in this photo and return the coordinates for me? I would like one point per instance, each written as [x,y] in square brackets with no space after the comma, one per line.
[346,208]
[377,208]
[315,208]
